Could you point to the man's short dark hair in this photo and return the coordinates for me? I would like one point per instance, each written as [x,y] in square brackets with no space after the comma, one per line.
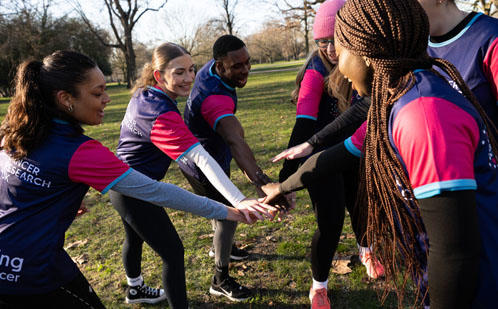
[225,44]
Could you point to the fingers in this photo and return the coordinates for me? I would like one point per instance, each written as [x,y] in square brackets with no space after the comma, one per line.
[247,216]
[265,211]
[280,156]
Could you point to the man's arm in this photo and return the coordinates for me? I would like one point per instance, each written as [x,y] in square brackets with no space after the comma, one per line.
[230,129]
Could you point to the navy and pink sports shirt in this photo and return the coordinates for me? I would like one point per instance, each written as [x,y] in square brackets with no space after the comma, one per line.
[443,145]
[210,100]
[474,52]
[313,102]
[153,133]
[39,198]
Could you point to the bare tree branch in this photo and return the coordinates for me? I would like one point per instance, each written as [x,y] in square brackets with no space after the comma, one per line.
[124,35]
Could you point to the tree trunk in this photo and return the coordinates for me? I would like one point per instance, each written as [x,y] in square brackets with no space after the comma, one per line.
[130,61]
[306,32]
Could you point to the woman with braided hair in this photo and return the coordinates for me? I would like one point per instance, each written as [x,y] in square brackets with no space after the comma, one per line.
[316,107]
[416,124]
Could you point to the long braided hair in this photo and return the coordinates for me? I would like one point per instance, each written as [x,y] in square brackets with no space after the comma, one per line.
[392,35]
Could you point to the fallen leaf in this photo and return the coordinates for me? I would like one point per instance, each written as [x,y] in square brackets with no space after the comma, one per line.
[271,238]
[241,273]
[340,265]
[206,236]
[76,244]
[81,259]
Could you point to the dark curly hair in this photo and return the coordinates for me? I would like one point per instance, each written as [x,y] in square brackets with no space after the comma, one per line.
[33,107]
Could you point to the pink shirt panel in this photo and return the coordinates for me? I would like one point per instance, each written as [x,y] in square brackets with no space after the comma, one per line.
[310,94]
[490,67]
[436,140]
[171,135]
[358,137]
[96,166]
[216,107]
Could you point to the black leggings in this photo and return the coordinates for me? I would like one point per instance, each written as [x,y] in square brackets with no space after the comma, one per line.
[329,198]
[452,226]
[331,177]
[77,294]
[146,222]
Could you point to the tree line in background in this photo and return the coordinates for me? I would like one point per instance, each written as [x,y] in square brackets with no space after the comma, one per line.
[31,31]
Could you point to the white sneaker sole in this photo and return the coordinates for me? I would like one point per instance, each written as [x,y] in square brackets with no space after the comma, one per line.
[145,300]
[232,257]
[214,292]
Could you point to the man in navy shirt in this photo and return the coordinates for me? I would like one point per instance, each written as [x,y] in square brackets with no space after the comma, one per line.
[210,116]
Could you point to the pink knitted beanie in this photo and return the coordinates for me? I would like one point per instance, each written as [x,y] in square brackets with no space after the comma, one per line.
[323,27]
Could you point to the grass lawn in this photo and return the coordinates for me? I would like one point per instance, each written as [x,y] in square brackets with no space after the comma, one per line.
[279,267]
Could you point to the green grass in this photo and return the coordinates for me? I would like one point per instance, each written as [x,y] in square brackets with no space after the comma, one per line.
[277,65]
[279,268]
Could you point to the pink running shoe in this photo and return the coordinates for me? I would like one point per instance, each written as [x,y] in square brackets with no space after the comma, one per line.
[319,299]
[373,266]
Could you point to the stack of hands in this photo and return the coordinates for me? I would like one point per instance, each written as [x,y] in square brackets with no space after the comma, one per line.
[275,203]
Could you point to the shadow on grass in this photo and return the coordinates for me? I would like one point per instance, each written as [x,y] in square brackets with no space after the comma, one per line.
[274,257]
[338,300]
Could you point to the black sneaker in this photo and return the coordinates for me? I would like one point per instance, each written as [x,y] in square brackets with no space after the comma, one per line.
[229,288]
[236,254]
[144,294]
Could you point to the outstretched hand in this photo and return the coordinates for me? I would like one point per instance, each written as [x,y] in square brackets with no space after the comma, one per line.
[254,210]
[299,151]
[275,197]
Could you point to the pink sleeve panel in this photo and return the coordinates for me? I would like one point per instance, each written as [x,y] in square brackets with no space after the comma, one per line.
[358,137]
[310,94]
[172,136]
[95,165]
[216,107]
[437,141]
[354,144]
[490,67]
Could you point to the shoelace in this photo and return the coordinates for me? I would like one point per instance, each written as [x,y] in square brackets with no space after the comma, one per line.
[322,296]
[148,290]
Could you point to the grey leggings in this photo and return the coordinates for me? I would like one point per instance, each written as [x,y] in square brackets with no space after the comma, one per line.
[223,229]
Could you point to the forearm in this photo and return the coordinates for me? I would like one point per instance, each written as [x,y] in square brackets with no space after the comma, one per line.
[451,222]
[215,174]
[162,194]
[319,166]
[303,129]
[342,126]
[246,161]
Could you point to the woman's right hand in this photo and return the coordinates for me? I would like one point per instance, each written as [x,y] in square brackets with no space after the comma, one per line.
[254,210]
[299,151]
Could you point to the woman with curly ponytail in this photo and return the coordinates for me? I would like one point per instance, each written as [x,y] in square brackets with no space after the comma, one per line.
[46,167]
[429,154]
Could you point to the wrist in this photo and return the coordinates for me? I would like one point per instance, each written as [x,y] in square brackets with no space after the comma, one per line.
[261,179]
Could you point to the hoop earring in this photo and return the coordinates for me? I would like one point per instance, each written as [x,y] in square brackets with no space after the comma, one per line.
[70,108]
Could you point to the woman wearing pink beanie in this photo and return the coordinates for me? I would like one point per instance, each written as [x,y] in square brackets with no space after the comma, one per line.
[317,106]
